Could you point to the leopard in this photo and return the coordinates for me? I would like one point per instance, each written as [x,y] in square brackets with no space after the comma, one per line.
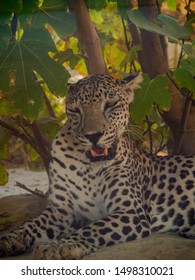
[104,189]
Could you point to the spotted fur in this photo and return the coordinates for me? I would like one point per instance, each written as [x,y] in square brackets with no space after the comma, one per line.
[103,189]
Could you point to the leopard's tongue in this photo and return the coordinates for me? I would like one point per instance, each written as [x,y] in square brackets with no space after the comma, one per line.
[98,151]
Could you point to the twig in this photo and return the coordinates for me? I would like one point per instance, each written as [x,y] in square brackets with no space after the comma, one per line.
[125,34]
[47,103]
[22,186]
[181,54]
[161,146]
[150,134]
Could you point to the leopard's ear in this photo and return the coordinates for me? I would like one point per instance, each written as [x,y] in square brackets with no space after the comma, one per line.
[133,81]
[130,83]
[70,87]
[70,93]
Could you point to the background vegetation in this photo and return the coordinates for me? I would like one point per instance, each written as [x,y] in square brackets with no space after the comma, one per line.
[46,43]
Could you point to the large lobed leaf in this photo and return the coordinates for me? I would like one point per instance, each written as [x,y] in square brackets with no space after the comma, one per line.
[166,25]
[9,6]
[54,12]
[151,92]
[184,75]
[23,58]
[4,38]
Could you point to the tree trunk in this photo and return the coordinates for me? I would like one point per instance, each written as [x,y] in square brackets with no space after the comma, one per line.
[88,36]
[154,62]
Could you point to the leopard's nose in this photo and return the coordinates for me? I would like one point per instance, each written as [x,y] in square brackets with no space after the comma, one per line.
[94,138]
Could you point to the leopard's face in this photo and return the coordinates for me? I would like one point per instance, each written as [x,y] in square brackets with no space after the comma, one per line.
[98,112]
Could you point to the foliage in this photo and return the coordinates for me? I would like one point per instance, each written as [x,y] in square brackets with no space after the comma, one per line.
[184,74]
[40,51]
[151,92]
[166,26]
[27,53]
[29,72]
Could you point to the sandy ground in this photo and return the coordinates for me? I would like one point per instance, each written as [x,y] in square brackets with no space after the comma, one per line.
[32,180]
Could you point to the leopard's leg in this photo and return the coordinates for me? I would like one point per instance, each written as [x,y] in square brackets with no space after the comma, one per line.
[121,226]
[124,219]
[48,226]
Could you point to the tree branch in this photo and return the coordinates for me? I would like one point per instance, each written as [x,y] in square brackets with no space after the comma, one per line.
[19,134]
[88,36]
[37,142]
[154,62]
[40,144]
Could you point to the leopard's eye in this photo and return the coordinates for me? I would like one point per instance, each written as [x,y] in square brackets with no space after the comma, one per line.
[111,104]
[75,110]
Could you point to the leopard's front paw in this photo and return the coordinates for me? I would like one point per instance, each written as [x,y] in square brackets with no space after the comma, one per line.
[62,250]
[11,244]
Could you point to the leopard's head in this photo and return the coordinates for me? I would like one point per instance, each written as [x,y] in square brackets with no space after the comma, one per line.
[98,112]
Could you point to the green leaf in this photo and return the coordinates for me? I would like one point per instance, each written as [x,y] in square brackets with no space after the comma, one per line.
[172,4]
[4,151]
[122,7]
[6,107]
[97,5]
[27,12]
[190,50]
[3,175]
[10,6]
[54,5]
[29,6]
[184,75]
[54,12]
[48,126]
[5,36]
[166,26]
[96,16]
[130,56]
[191,17]
[4,138]
[151,92]
[5,18]
[67,55]
[26,57]
[172,29]
[32,154]
[188,65]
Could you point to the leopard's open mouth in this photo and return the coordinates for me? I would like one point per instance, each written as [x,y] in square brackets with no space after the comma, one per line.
[97,153]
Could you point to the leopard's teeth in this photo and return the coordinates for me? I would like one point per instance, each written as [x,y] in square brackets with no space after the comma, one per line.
[106,152]
[93,153]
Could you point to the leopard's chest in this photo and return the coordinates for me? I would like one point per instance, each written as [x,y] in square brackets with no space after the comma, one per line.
[75,182]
